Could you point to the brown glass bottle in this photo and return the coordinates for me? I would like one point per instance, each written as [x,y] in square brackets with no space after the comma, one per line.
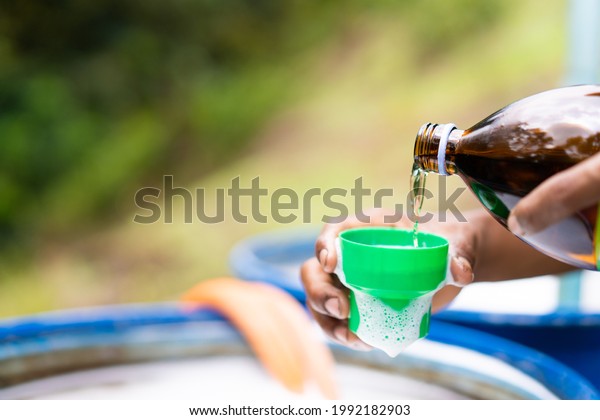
[508,154]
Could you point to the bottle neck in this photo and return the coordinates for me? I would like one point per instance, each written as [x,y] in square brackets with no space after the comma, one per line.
[433,145]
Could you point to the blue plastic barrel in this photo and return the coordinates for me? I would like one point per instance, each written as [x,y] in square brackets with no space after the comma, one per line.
[565,332]
[103,348]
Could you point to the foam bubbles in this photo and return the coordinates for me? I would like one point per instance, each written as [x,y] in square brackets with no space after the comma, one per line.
[385,328]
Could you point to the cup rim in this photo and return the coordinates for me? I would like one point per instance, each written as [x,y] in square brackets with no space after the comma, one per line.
[343,238]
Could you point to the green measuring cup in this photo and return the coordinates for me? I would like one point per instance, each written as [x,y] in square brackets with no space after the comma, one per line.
[383,263]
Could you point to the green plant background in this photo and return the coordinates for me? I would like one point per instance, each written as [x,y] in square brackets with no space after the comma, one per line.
[100,99]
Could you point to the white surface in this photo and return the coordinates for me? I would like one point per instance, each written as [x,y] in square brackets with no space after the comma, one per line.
[535,296]
[590,292]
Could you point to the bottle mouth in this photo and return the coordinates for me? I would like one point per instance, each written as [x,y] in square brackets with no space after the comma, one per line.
[425,151]
[430,147]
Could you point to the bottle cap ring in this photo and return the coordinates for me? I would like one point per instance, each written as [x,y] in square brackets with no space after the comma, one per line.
[446,130]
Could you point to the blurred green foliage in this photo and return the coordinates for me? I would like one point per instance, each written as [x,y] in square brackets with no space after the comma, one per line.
[100,98]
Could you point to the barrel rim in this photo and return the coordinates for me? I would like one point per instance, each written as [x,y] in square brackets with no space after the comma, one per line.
[556,377]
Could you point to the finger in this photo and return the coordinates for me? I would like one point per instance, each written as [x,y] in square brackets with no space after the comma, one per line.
[324,292]
[338,331]
[462,261]
[462,270]
[327,323]
[559,196]
[325,246]
[346,337]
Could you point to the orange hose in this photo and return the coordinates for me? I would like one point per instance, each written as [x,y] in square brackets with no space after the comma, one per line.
[276,328]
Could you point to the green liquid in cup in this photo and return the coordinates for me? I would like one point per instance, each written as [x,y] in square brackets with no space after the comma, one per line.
[391,282]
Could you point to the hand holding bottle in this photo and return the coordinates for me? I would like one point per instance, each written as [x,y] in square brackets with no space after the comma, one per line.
[560,196]
[535,159]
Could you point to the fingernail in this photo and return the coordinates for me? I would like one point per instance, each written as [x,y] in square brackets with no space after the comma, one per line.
[463,263]
[323,257]
[332,306]
[465,267]
[515,226]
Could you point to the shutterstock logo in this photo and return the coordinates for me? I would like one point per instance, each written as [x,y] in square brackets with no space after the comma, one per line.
[285,205]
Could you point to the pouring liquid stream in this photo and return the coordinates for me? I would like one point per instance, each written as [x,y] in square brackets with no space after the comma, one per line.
[417,194]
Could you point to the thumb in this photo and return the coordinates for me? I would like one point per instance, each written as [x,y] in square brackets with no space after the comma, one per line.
[559,196]
[461,267]
[461,270]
